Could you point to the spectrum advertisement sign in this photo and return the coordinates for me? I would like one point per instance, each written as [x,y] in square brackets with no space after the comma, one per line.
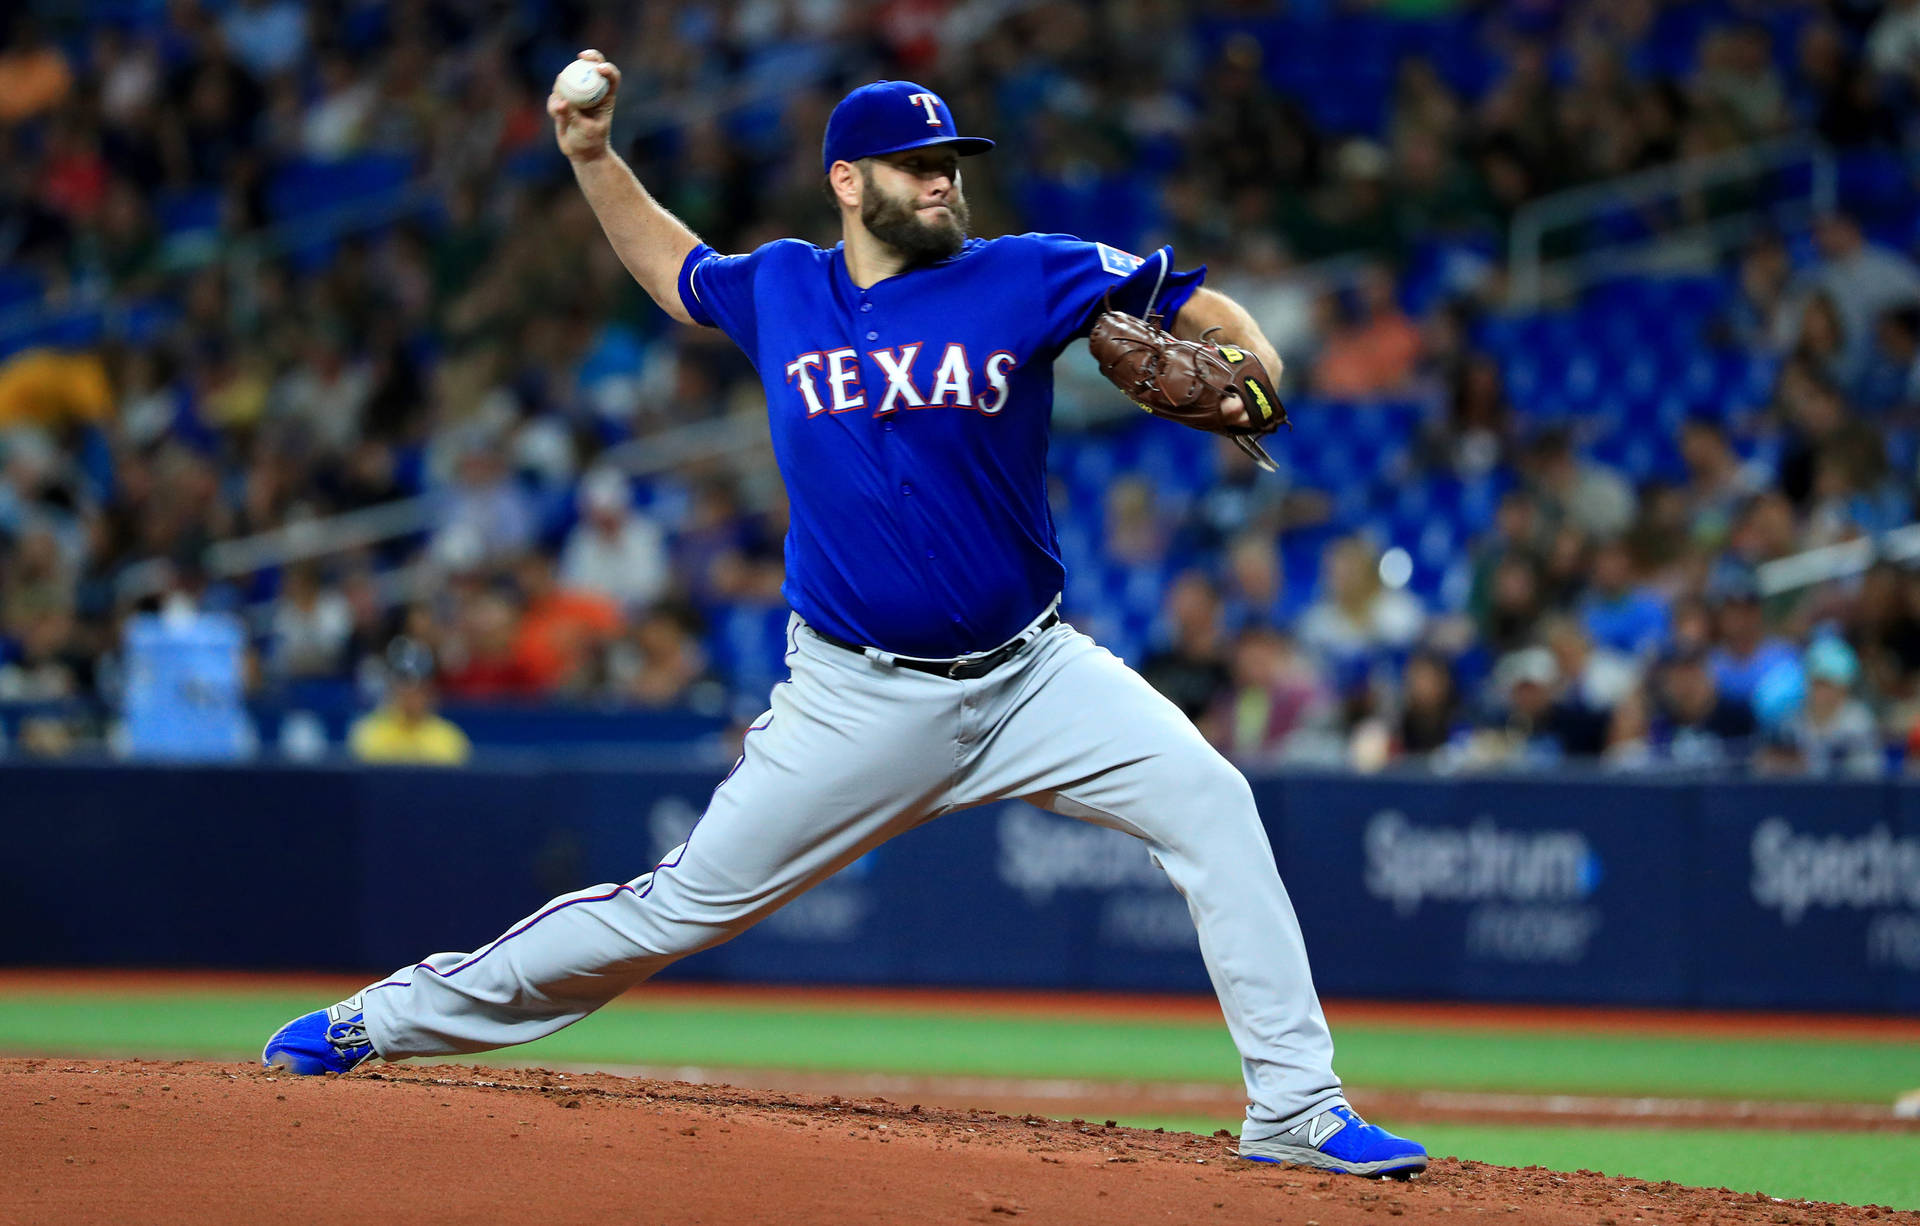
[1508,890]
[1810,895]
[1766,894]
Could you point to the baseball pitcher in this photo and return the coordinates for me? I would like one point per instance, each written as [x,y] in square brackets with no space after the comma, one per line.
[909,385]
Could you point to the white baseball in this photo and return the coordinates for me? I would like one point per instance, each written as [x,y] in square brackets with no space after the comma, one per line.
[581,83]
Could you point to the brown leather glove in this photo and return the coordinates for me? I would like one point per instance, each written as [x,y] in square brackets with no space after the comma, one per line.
[1188,381]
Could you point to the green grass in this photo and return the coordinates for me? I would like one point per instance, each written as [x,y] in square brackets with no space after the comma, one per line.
[1849,1167]
[228,1023]
[1857,1168]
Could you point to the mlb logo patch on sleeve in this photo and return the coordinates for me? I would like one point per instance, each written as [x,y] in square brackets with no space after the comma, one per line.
[1119,263]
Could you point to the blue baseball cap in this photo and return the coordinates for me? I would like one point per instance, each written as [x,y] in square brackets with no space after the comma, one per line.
[888,117]
[1830,659]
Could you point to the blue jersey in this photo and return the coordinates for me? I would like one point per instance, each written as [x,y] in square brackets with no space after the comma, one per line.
[910,422]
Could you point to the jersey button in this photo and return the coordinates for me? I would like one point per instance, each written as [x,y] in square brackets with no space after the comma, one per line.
[873,336]
[866,306]
[906,490]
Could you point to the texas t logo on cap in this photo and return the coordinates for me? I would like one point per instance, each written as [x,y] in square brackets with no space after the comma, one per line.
[889,117]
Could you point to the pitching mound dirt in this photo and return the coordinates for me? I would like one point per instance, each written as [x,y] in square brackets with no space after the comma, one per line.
[194,1142]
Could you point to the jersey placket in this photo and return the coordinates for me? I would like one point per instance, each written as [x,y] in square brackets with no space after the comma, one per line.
[895,450]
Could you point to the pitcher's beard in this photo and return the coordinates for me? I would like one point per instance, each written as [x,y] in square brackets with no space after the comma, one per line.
[896,223]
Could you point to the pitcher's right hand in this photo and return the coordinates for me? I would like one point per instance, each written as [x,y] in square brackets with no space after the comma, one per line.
[582,132]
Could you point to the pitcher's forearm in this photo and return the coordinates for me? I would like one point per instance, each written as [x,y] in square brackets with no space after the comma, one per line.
[650,241]
[1212,309]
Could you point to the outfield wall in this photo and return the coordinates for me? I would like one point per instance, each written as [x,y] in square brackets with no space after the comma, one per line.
[1777,895]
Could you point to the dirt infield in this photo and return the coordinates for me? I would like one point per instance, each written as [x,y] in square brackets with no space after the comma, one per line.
[1063,1096]
[91,1141]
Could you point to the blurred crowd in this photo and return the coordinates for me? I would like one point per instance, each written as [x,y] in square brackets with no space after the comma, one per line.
[251,367]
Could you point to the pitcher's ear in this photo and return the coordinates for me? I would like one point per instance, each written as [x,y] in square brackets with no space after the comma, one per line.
[843,181]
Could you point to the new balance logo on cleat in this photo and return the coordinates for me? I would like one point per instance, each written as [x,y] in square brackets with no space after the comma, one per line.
[1339,1140]
[1322,1126]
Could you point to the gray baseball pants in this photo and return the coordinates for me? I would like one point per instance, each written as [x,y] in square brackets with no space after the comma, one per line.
[855,751]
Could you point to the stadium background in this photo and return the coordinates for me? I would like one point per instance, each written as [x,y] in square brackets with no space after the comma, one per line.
[321,395]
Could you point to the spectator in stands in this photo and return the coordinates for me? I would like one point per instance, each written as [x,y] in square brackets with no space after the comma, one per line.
[485,508]
[35,576]
[269,36]
[1563,566]
[1281,304]
[1521,725]
[1745,652]
[615,550]
[1276,694]
[1479,431]
[1191,667]
[1358,616]
[483,660]
[1833,733]
[1891,380]
[44,662]
[53,389]
[311,627]
[1429,707]
[1516,533]
[563,630]
[1718,483]
[1848,110]
[1863,279]
[1694,724]
[1587,495]
[1376,350]
[1137,531]
[1255,591]
[1353,209]
[1738,78]
[1853,493]
[405,729]
[1629,745]
[1893,45]
[1817,424]
[1659,541]
[1514,605]
[1617,611]
[1764,531]
[662,664]
[715,528]
[1759,319]
[1592,677]
[1822,343]
[337,119]
[34,74]
[1243,498]
[324,393]
[1883,627]
[1689,625]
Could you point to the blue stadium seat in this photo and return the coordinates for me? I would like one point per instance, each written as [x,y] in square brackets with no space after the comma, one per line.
[303,188]
[18,287]
[184,212]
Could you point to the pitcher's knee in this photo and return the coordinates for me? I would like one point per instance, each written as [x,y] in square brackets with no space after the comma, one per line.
[1208,785]
[1222,783]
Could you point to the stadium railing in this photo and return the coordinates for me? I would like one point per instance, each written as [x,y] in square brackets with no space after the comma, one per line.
[1840,561]
[1783,183]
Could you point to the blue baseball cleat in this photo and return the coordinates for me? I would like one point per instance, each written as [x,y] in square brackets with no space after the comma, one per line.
[1339,1140]
[329,1040]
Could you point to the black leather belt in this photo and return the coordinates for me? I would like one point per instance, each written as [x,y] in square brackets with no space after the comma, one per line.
[966,669]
